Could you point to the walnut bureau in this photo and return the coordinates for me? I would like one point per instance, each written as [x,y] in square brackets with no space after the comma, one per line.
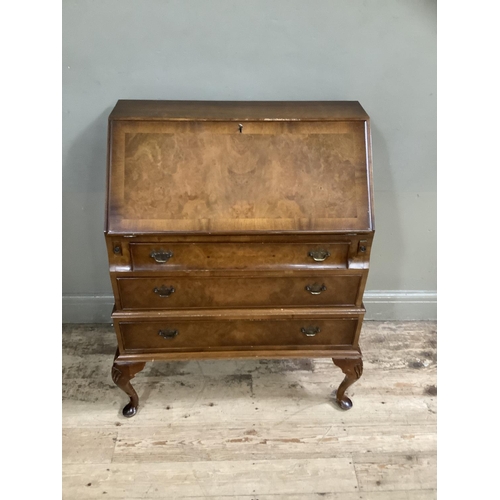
[238,229]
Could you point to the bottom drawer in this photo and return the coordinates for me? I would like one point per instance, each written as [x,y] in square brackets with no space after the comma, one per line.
[209,335]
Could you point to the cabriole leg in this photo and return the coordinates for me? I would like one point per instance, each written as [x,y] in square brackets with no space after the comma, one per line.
[353,369]
[121,374]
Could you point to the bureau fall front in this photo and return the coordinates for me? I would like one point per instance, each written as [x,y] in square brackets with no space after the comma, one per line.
[238,229]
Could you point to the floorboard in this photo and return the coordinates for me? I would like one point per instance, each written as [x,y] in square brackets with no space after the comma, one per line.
[253,429]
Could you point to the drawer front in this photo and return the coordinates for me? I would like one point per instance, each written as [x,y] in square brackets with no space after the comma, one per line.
[240,256]
[194,292]
[171,335]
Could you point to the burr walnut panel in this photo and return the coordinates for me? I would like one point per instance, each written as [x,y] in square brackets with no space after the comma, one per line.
[166,176]
[174,335]
[181,292]
[212,177]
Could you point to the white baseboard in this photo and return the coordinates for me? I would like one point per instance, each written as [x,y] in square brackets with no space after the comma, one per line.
[87,308]
[400,305]
[380,305]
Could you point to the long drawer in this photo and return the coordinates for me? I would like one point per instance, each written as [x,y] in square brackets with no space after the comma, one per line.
[195,292]
[175,334]
[238,256]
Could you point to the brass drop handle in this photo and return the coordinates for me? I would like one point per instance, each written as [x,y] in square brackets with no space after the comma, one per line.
[161,256]
[319,255]
[315,288]
[168,334]
[310,331]
[164,291]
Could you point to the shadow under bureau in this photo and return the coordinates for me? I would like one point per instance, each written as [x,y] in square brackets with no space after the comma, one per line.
[238,229]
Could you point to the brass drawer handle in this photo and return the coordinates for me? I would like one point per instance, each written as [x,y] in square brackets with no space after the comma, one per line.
[315,288]
[162,256]
[310,331]
[164,291]
[319,255]
[168,334]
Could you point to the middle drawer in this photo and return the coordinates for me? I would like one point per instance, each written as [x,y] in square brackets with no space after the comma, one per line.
[199,292]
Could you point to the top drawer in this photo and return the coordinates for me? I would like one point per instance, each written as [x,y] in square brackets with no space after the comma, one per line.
[238,256]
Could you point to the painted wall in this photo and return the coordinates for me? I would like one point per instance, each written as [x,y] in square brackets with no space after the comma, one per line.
[382,54]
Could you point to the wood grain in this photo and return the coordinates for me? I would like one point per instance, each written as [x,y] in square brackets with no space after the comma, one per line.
[89,445]
[213,175]
[262,442]
[202,254]
[250,429]
[394,472]
[178,479]
[192,292]
[211,335]
[237,110]
[251,170]
[255,256]
[208,177]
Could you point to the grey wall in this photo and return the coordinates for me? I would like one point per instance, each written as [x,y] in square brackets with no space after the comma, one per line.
[381,53]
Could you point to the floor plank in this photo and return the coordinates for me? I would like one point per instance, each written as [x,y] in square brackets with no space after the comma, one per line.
[253,429]
[209,478]
[395,472]
[182,442]
[88,445]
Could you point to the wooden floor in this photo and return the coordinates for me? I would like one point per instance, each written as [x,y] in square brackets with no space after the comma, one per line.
[250,429]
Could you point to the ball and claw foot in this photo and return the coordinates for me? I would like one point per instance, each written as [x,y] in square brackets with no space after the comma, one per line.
[353,369]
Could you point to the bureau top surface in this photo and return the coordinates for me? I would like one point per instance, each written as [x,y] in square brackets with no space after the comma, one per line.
[187,167]
[238,110]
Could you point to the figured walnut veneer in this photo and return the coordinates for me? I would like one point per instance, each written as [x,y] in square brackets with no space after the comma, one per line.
[238,229]
[209,177]
[257,256]
[139,293]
